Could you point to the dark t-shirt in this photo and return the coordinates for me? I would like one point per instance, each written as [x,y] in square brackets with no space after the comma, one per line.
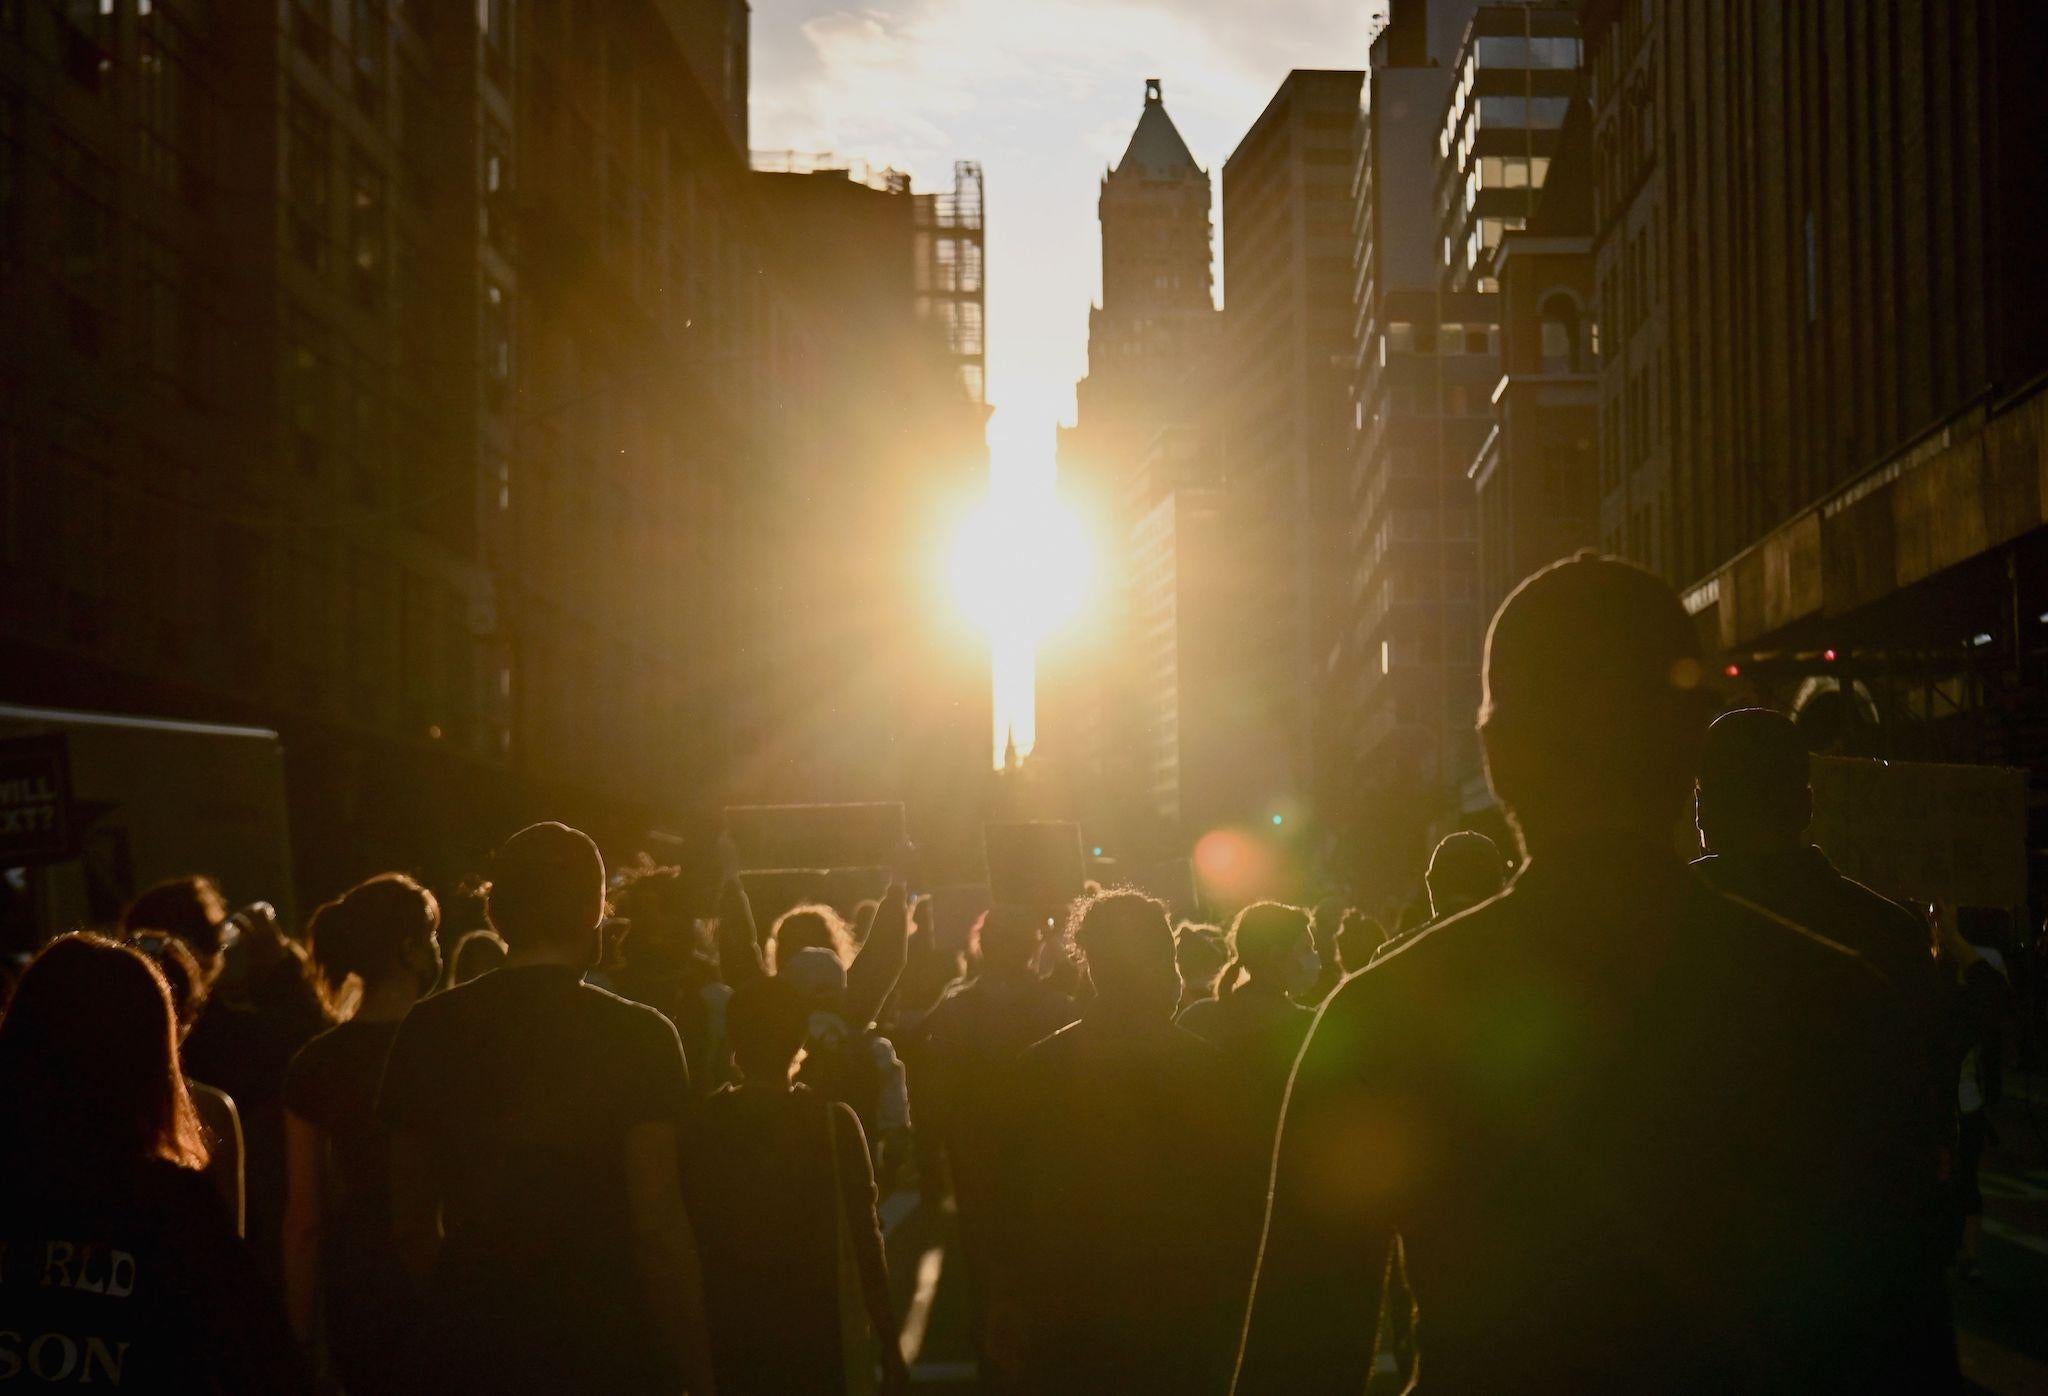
[520,1087]
[1259,1031]
[1129,1210]
[1634,1135]
[771,1175]
[135,1286]
[369,1304]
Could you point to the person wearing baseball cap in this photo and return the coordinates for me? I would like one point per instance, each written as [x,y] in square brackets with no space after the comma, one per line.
[1633,1135]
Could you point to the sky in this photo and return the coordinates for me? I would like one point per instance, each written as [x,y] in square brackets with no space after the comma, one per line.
[1044,94]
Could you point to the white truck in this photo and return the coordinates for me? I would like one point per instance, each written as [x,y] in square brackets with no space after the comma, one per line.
[95,806]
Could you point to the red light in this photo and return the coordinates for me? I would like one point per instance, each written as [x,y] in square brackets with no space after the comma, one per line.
[1733,671]
[1828,655]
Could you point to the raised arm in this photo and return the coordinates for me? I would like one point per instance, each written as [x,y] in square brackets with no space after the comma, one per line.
[864,1228]
[872,976]
[739,943]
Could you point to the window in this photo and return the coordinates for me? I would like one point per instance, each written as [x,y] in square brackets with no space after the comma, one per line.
[494,24]
[306,175]
[496,178]
[1560,318]
[85,249]
[86,37]
[497,345]
[306,395]
[366,229]
[367,37]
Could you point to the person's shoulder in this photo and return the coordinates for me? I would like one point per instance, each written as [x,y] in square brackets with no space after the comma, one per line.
[1195,1015]
[1773,946]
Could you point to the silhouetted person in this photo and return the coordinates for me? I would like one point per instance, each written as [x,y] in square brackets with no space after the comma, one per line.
[1635,1135]
[121,1269]
[1754,802]
[1199,955]
[1464,871]
[535,1187]
[1358,937]
[476,953]
[1324,922]
[220,1123]
[872,968]
[1131,1183]
[376,952]
[960,1059]
[1258,1025]
[670,968]
[777,1176]
[259,1009]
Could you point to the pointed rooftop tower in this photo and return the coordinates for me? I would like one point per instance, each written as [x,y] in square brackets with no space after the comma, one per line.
[1156,149]
[1155,220]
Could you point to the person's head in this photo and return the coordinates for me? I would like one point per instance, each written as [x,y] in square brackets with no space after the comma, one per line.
[89,1060]
[1199,955]
[1358,936]
[1755,791]
[383,929]
[654,905]
[766,1021]
[1464,871]
[816,976]
[190,908]
[182,974]
[1126,938]
[1594,702]
[1006,938]
[812,926]
[1270,942]
[476,953]
[546,893]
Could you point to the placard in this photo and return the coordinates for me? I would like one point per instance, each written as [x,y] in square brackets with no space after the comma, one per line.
[38,820]
[1923,831]
[1038,866]
[815,838]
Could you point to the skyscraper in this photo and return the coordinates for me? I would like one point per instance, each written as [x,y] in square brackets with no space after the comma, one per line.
[1150,351]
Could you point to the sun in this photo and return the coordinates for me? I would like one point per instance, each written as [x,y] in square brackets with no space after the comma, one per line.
[1021,566]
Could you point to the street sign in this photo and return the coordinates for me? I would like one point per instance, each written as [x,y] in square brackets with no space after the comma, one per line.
[815,838]
[38,822]
[1034,865]
[1925,831]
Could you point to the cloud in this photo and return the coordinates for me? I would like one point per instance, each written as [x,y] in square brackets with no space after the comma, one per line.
[1044,93]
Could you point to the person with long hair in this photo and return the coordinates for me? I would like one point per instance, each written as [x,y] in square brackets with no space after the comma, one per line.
[1258,1024]
[375,950]
[220,1123]
[123,1268]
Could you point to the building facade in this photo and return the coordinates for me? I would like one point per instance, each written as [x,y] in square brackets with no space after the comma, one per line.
[1281,418]
[406,378]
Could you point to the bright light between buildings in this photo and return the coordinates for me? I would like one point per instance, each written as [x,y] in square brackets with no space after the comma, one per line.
[1021,567]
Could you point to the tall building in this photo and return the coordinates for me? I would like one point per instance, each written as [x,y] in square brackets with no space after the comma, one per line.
[1282,417]
[857,690]
[1537,474]
[1151,343]
[1423,371]
[1815,237]
[414,380]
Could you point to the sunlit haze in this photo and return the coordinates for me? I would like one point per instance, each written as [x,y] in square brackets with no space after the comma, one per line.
[1044,94]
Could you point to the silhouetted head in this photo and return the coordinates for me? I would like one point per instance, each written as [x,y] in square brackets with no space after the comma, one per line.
[190,908]
[1007,937]
[1464,871]
[383,928]
[1358,936]
[765,1021]
[1755,788]
[182,973]
[813,926]
[89,1062]
[477,952]
[1595,705]
[1126,938]
[1199,955]
[653,903]
[546,891]
[1270,942]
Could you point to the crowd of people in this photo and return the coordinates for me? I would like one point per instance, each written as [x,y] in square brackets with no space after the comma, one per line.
[1595,1120]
